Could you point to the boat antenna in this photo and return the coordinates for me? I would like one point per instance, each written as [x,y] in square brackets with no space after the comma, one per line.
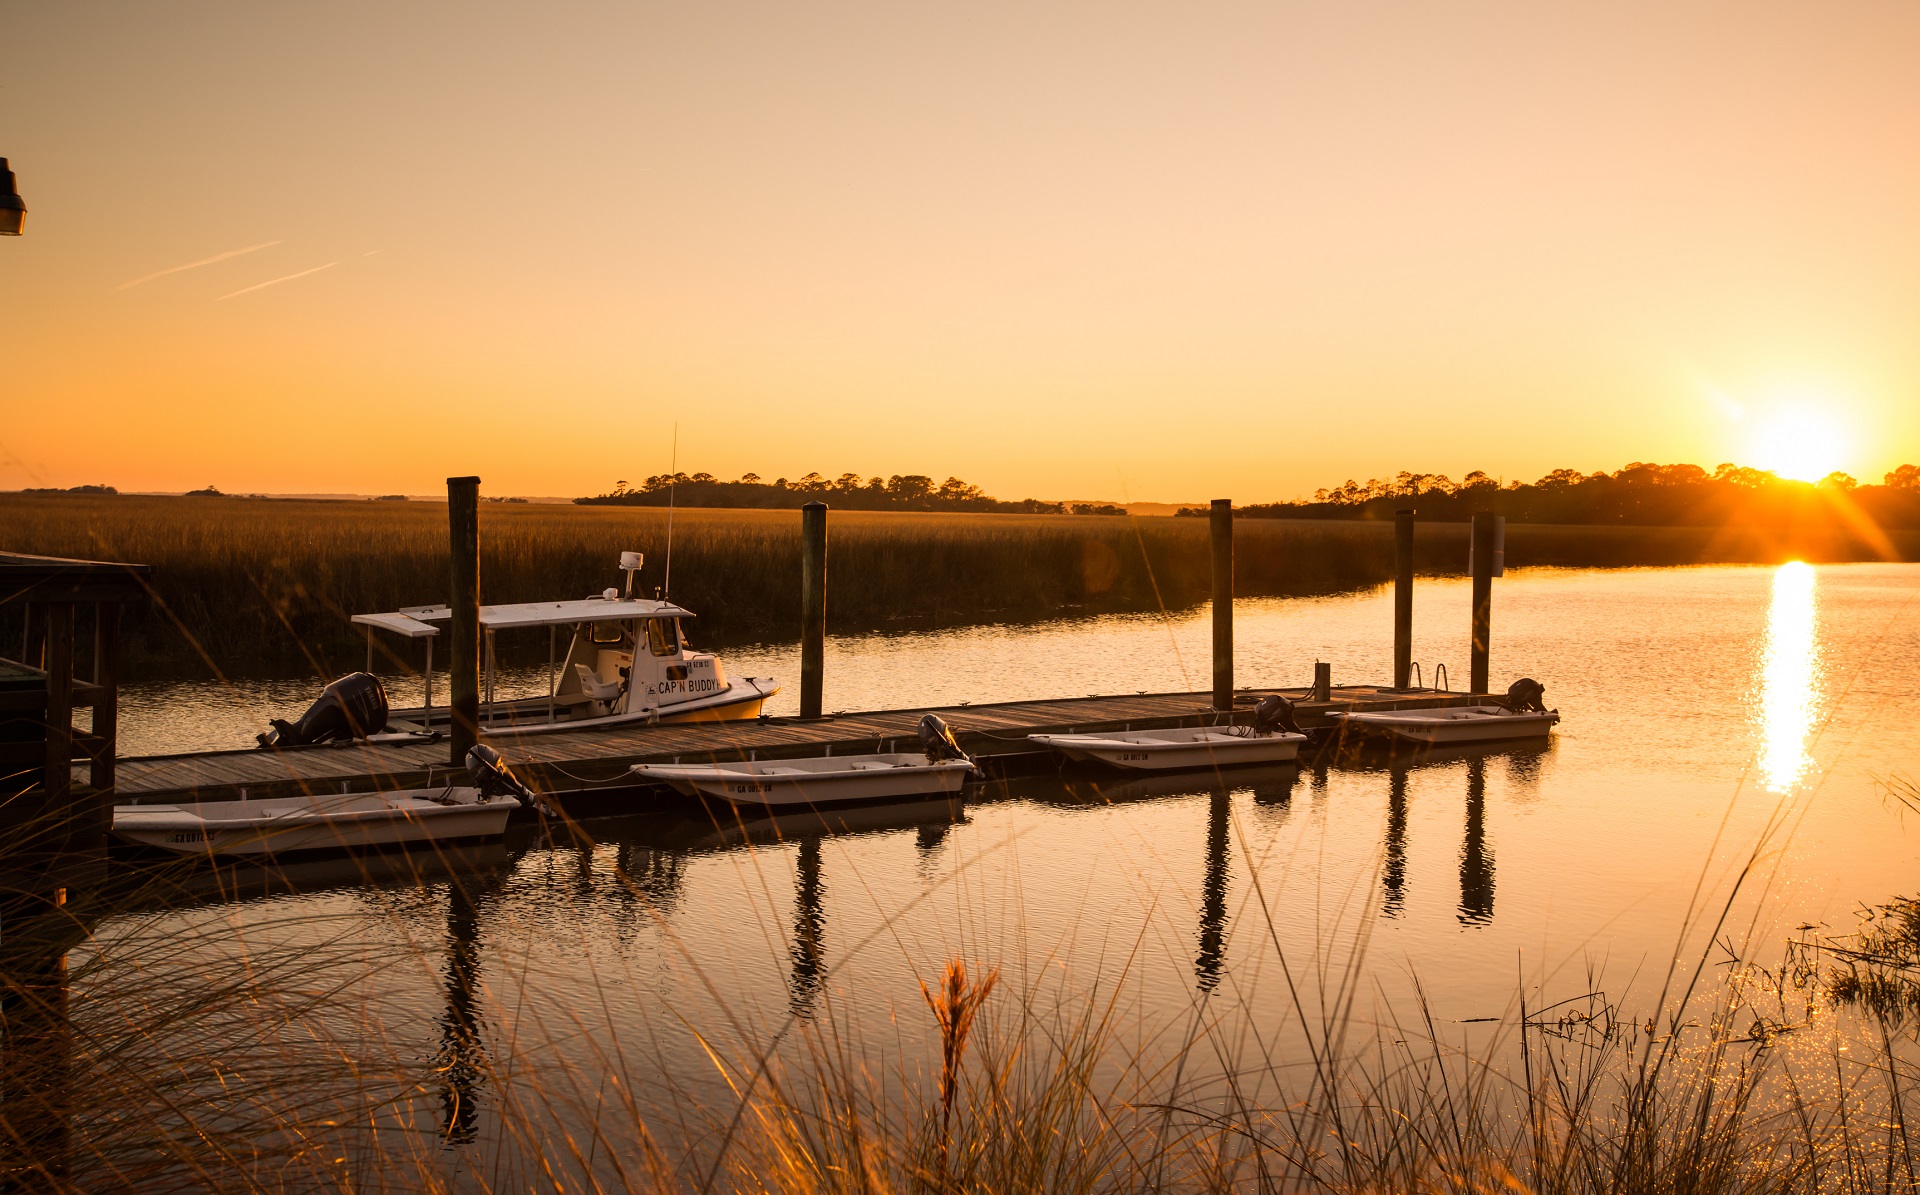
[673,473]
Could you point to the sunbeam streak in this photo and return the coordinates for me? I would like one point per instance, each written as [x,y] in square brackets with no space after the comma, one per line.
[1789,677]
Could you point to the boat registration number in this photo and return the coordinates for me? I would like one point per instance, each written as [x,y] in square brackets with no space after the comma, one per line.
[189,836]
[744,789]
[1133,757]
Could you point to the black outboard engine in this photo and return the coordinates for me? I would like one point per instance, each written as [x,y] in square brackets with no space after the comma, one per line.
[1275,713]
[936,739]
[1528,695]
[352,707]
[492,777]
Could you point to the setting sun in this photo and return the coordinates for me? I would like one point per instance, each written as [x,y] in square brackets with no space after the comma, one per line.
[1802,444]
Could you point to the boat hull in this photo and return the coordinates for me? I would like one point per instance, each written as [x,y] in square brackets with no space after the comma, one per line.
[743,701]
[1461,725]
[283,826]
[1175,750]
[776,784]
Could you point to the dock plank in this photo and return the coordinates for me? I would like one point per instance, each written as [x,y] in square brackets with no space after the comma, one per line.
[587,757]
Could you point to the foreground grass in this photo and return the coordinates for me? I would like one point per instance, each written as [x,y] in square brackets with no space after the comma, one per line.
[178,1048]
[250,585]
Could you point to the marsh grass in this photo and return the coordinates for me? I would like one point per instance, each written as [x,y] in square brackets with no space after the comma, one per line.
[190,1047]
[246,586]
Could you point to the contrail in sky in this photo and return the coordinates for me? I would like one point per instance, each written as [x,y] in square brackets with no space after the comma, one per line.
[274,281]
[194,265]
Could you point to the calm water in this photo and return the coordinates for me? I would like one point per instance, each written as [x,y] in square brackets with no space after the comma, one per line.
[1708,714]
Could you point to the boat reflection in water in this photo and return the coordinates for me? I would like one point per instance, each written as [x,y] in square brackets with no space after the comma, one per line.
[1789,698]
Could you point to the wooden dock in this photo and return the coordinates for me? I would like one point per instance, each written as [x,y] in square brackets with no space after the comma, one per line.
[577,764]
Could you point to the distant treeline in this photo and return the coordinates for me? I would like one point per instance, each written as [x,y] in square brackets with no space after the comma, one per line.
[1638,495]
[849,491]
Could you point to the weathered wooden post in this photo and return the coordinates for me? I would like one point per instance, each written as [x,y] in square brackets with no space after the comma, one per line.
[1322,681]
[1481,560]
[1402,598]
[106,700]
[463,668]
[1220,522]
[813,606]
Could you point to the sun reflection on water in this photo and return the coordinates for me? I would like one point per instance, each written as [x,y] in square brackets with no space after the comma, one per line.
[1789,677]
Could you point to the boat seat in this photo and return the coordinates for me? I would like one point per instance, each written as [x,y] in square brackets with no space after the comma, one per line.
[594,687]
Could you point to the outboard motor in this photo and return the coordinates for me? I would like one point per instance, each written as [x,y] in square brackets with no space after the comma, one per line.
[1527,694]
[493,778]
[352,707]
[936,739]
[1275,713]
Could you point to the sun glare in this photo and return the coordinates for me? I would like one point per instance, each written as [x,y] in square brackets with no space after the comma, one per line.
[1800,443]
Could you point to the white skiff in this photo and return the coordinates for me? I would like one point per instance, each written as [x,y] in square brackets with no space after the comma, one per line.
[1191,747]
[282,825]
[1463,724]
[825,781]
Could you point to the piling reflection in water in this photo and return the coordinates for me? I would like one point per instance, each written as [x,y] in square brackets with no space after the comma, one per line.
[35,1056]
[1213,899]
[1393,865]
[808,968]
[461,1055]
[1476,858]
[1789,677]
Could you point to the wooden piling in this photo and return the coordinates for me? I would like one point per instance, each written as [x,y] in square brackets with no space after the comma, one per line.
[1322,681]
[1481,558]
[106,698]
[1402,598]
[1221,523]
[813,606]
[56,782]
[463,665]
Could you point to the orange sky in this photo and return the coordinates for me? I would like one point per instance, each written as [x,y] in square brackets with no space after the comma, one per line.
[1064,250]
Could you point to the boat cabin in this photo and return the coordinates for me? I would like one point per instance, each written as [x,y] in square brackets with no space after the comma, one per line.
[624,658]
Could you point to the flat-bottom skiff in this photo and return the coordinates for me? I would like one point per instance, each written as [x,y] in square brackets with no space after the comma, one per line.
[1463,724]
[828,780]
[1191,747]
[342,821]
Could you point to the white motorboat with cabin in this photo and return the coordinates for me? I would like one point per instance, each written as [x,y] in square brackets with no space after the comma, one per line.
[280,826]
[939,770]
[1274,737]
[1521,715]
[627,660]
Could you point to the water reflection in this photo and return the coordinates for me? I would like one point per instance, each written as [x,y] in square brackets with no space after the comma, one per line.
[1393,866]
[1789,677]
[1476,859]
[461,1056]
[1213,900]
[809,930]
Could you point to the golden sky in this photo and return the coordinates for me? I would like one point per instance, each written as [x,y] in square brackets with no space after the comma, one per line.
[1115,250]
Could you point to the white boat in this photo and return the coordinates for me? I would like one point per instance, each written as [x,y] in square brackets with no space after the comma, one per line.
[825,781]
[1461,724]
[1274,737]
[627,661]
[341,821]
[1190,747]
[939,770]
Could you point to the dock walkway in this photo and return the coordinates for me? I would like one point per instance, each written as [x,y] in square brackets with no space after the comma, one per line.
[582,761]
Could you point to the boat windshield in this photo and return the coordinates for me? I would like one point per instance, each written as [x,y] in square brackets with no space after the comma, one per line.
[661,639]
[607,632]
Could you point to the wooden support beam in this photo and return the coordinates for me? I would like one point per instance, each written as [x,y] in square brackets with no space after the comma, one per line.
[56,782]
[106,698]
[813,607]
[1481,562]
[463,667]
[1402,598]
[1220,522]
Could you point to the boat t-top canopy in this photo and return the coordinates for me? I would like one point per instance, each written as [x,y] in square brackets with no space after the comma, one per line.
[417,622]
